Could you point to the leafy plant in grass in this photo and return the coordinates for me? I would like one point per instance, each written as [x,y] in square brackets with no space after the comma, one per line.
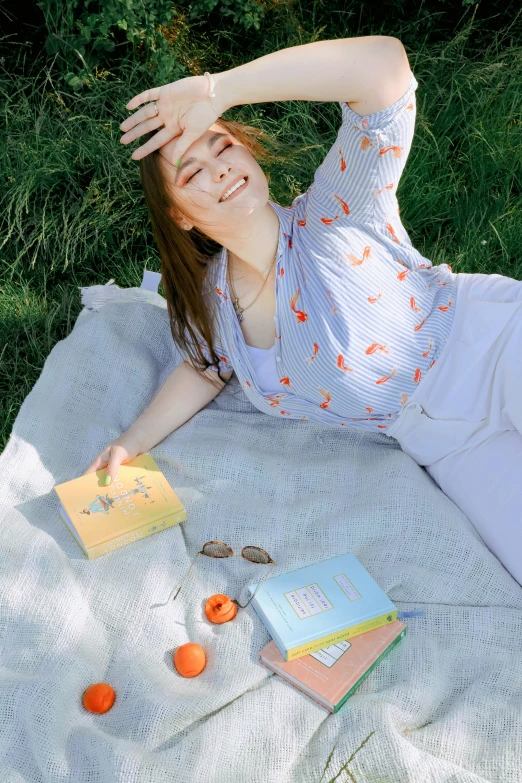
[90,32]
[83,35]
[248,13]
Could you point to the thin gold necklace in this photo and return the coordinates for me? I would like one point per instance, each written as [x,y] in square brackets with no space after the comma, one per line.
[240,310]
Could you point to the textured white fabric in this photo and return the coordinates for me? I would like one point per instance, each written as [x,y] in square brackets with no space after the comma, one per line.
[446,705]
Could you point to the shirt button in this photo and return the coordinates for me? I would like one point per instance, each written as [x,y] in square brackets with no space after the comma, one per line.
[278,358]
[275,319]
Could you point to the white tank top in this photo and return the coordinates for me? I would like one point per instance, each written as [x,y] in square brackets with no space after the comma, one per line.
[265,369]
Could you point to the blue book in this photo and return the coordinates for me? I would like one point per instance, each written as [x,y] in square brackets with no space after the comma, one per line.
[321,604]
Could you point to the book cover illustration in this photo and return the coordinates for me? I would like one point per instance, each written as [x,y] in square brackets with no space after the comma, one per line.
[139,499]
[331,675]
[321,604]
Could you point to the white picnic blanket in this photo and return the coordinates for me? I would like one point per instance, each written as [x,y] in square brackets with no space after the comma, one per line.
[445,705]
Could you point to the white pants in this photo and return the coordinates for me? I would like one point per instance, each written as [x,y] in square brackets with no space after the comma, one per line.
[463,423]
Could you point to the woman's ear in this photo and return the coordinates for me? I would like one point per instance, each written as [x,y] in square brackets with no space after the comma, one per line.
[179,219]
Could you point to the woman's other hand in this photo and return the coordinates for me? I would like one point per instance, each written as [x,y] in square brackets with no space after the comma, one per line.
[117,452]
[184,110]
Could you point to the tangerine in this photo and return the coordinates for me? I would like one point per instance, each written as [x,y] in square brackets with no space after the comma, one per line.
[189,659]
[220,608]
[99,697]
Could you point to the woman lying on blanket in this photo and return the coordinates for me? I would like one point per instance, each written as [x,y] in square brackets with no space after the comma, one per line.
[324,309]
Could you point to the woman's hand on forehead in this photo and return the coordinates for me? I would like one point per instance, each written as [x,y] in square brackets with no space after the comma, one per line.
[185,112]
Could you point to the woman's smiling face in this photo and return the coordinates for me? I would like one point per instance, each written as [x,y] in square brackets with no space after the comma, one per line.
[209,168]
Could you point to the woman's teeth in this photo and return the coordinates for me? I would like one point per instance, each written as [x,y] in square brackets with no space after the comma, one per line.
[232,189]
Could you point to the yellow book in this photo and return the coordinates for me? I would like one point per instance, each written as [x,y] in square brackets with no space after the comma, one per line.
[138,503]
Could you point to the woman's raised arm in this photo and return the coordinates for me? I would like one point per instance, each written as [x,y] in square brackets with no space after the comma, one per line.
[344,69]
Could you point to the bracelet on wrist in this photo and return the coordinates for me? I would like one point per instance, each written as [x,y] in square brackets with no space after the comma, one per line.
[211,92]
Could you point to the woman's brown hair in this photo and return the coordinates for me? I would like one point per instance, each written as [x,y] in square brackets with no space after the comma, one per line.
[185,255]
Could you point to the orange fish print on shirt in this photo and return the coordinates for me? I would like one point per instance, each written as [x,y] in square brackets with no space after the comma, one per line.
[316,351]
[328,398]
[342,162]
[419,326]
[301,316]
[274,400]
[386,377]
[370,410]
[425,354]
[417,376]
[344,205]
[397,151]
[334,309]
[392,232]
[329,221]
[285,381]
[365,143]
[404,398]
[375,347]
[445,308]
[220,292]
[373,299]
[402,275]
[340,364]
[413,305]
[302,223]
[358,261]
[386,187]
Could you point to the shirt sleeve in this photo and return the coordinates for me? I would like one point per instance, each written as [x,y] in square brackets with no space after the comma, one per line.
[224,363]
[357,181]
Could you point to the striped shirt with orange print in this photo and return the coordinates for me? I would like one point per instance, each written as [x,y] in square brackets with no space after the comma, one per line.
[361,315]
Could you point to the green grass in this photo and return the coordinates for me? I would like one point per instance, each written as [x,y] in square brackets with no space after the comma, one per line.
[72,210]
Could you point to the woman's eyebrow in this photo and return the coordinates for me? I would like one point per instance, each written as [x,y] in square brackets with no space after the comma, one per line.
[210,142]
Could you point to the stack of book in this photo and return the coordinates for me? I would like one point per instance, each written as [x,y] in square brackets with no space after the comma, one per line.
[331,625]
[138,503]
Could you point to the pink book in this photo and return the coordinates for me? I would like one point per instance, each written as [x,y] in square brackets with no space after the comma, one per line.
[331,675]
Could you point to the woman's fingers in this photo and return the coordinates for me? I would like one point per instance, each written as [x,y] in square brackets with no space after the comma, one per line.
[146,113]
[98,464]
[144,97]
[158,140]
[141,130]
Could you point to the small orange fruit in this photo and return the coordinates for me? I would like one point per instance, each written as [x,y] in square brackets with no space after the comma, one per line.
[189,659]
[220,609]
[99,697]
